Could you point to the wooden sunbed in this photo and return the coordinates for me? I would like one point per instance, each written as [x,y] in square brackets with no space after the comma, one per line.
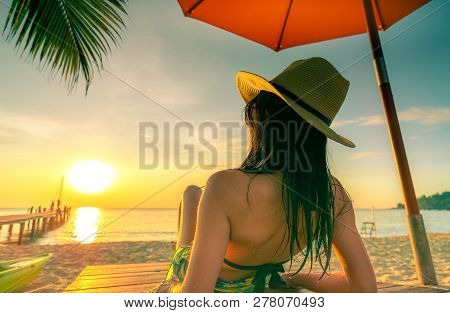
[129,278]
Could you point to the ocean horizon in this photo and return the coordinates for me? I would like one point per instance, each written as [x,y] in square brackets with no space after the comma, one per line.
[92,224]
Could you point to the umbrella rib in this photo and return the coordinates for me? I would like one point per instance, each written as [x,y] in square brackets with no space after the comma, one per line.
[277,48]
[378,13]
[193,7]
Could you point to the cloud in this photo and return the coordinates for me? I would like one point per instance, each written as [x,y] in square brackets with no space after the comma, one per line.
[426,116]
[14,127]
[370,120]
[365,155]
[418,115]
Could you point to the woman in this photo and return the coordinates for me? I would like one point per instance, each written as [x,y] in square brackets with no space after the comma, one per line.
[282,202]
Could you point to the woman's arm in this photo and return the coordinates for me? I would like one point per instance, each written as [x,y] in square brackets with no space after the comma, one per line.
[211,237]
[357,274]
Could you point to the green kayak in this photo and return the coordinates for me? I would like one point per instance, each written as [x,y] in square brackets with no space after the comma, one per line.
[16,274]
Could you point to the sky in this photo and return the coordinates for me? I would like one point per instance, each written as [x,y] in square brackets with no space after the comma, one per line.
[188,68]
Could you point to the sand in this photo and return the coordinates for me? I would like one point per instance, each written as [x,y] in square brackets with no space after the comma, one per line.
[391,258]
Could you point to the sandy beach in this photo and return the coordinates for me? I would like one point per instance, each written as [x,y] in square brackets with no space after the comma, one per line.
[391,257]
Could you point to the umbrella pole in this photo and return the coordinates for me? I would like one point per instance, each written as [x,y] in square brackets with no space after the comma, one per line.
[417,233]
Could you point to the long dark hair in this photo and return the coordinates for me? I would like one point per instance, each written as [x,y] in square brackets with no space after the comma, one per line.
[282,141]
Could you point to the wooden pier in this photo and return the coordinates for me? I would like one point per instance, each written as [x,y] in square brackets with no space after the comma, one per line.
[34,222]
[125,278]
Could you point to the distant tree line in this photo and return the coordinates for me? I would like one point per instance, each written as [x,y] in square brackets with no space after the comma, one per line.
[438,201]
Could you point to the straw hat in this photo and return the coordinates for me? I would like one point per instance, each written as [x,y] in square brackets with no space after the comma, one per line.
[312,87]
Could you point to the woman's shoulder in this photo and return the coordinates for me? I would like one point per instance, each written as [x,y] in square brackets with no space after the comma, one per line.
[230,187]
[230,181]
[236,179]
[227,175]
[239,188]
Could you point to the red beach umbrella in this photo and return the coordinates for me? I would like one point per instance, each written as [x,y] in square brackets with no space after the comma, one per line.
[281,24]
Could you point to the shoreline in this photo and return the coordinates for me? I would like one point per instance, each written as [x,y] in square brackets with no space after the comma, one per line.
[391,258]
[35,242]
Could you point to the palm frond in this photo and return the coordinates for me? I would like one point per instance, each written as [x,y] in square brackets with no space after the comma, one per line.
[66,37]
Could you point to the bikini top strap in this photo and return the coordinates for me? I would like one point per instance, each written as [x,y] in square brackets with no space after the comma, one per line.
[250,267]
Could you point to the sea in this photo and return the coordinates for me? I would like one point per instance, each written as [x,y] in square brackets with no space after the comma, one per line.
[91,224]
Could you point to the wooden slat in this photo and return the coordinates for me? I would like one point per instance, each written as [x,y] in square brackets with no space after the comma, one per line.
[118,275]
[124,268]
[128,265]
[114,280]
[82,284]
[123,278]
[411,289]
[118,289]
[385,285]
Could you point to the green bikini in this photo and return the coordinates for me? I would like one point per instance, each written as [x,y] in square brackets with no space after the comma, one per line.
[267,275]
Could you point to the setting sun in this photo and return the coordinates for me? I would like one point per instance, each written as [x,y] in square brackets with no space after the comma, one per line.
[91,176]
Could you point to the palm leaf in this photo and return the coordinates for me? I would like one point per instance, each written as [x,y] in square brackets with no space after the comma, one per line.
[66,37]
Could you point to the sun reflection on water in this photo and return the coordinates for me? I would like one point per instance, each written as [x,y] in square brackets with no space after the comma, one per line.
[86,224]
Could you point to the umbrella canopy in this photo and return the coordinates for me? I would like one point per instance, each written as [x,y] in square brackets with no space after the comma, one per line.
[281,24]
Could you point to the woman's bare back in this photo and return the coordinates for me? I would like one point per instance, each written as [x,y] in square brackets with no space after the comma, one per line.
[258,232]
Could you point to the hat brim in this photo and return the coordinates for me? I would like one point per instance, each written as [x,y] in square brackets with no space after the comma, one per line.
[249,85]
